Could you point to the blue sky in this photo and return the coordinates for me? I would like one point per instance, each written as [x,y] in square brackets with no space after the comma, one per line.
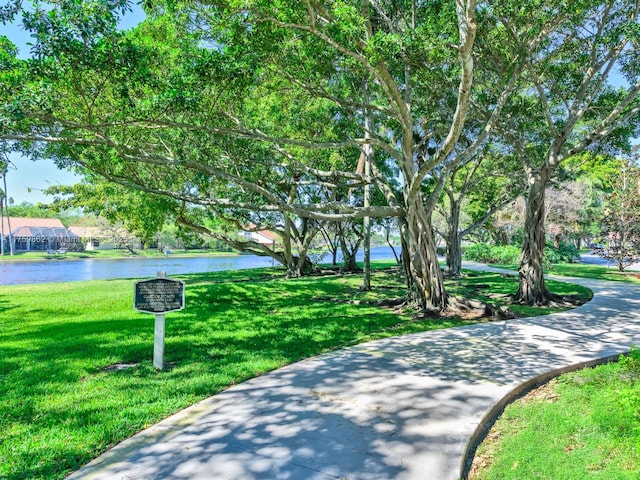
[26,179]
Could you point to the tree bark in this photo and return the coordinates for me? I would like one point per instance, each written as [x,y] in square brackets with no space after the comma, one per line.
[393,248]
[532,289]
[426,282]
[349,263]
[454,241]
[2,225]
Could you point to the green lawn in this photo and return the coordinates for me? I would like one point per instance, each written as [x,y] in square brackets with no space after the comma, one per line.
[583,425]
[64,398]
[584,270]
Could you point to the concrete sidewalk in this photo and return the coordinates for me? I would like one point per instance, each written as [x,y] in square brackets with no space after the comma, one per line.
[400,408]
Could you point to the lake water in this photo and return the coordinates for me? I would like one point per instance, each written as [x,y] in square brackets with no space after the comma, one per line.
[68,270]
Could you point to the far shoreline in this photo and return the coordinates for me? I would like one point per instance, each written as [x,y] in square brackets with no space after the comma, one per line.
[115,254]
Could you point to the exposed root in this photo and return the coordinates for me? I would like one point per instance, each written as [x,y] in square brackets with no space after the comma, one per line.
[555,301]
[469,308]
[567,301]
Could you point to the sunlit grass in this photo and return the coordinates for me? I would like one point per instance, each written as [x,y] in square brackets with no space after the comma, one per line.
[583,270]
[63,402]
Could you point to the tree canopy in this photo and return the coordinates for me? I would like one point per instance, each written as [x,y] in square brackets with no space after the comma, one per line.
[262,109]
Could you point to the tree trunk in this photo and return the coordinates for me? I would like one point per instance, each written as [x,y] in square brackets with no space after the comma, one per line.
[287,252]
[404,252]
[349,263]
[532,289]
[6,206]
[2,225]
[300,264]
[393,249]
[454,242]
[332,243]
[367,152]
[423,269]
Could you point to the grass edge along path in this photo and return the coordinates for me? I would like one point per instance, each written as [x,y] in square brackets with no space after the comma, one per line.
[582,424]
[75,358]
[505,451]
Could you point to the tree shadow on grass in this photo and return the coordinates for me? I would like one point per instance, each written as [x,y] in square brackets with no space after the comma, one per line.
[395,408]
[402,407]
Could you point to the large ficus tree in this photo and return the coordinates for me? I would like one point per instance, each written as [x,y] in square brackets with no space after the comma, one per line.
[579,92]
[228,105]
[217,103]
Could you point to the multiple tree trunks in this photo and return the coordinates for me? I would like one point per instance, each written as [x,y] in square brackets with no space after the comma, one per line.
[532,289]
[190,148]
[423,269]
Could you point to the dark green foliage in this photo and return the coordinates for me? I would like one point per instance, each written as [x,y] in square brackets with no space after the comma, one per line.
[564,253]
[510,254]
[485,253]
[620,224]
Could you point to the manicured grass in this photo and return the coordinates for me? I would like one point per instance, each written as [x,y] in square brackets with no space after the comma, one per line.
[65,396]
[593,271]
[585,424]
[584,270]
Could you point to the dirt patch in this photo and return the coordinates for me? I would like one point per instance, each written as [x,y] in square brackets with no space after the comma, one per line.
[546,392]
[114,367]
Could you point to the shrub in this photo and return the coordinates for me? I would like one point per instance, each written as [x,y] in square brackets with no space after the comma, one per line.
[627,396]
[478,252]
[565,253]
[631,362]
[510,254]
[482,252]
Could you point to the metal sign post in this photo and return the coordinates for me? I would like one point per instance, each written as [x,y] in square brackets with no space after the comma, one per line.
[158,296]
[158,342]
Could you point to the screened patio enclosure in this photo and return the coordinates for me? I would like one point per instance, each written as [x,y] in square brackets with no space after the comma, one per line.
[32,234]
[45,238]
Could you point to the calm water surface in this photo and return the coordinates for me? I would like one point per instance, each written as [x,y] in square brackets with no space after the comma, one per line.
[66,270]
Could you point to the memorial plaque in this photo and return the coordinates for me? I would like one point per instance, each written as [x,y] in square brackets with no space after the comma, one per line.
[159,295]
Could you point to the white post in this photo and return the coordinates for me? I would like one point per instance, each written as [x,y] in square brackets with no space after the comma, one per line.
[158,342]
[158,335]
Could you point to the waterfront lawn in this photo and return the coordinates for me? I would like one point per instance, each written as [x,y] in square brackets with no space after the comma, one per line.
[107,254]
[585,424]
[75,359]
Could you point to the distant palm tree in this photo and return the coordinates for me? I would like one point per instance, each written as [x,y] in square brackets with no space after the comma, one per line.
[4,203]
[2,223]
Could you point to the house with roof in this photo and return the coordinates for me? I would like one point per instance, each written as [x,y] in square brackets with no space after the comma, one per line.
[263,237]
[92,237]
[99,238]
[37,234]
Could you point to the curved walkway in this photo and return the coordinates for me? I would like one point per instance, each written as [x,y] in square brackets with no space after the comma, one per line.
[400,408]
